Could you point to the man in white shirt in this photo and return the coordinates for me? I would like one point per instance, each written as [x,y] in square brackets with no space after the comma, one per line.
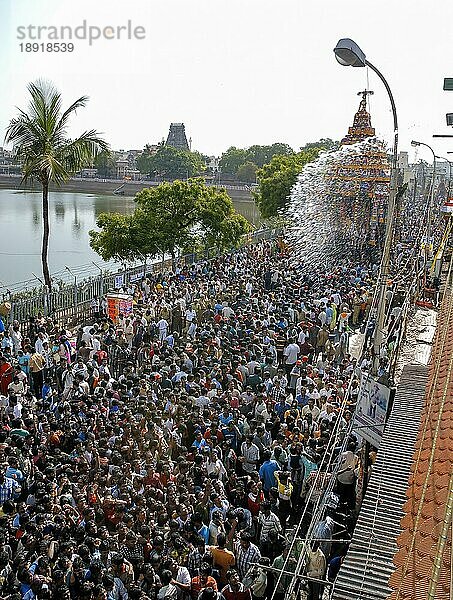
[190,316]
[42,337]
[250,455]
[336,298]
[181,579]
[227,311]
[303,335]
[346,476]
[290,354]
[87,335]
[312,409]
[162,326]
[96,344]
[268,521]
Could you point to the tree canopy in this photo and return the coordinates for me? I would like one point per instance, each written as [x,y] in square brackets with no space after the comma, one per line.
[105,164]
[170,163]
[277,178]
[247,172]
[322,144]
[170,218]
[234,158]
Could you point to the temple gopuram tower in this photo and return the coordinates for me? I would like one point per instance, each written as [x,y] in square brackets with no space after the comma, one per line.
[177,137]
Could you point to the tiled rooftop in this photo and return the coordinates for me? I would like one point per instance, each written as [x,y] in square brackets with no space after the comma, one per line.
[424,558]
[369,563]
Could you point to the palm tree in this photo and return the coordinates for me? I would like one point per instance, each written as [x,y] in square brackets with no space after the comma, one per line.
[47,155]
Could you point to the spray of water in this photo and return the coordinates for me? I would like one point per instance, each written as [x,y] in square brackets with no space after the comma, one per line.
[318,233]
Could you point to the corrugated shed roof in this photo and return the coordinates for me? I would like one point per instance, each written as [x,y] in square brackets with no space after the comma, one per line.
[368,565]
[424,560]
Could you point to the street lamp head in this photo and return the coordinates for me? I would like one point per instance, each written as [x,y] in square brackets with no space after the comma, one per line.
[348,53]
[414,143]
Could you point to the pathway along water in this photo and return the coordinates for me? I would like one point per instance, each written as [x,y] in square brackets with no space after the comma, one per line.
[72,215]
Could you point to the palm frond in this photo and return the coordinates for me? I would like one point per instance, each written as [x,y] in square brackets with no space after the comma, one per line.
[39,137]
[45,108]
[79,153]
[79,103]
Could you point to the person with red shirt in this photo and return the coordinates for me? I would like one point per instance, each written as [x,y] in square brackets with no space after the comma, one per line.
[6,375]
[254,498]
[202,581]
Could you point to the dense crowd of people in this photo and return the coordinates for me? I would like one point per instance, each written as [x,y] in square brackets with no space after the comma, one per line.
[169,454]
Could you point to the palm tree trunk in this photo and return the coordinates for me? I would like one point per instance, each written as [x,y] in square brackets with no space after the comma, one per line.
[45,235]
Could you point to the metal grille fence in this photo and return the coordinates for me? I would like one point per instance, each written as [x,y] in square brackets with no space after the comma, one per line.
[72,301]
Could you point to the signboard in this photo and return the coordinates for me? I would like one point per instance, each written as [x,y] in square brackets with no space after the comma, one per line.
[137,276]
[118,304]
[125,306]
[119,281]
[112,309]
[372,406]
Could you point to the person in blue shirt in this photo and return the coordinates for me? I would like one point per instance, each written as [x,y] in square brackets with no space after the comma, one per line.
[199,442]
[26,591]
[225,417]
[46,389]
[201,529]
[334,567]
[329,314]
[12,471]
[232,435]
[281,407]
[22,361]
[267,471]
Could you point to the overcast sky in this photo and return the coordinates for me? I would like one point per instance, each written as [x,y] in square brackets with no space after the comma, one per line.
[238,72]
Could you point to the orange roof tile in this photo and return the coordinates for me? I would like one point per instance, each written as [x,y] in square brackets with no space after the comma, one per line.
[429,486]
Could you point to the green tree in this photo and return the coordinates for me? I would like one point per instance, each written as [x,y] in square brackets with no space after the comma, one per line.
[115,238]
[46,153]
[143,160]
[232,159]
[170,163]
[247,172]
[105,164]
[277,178]
[169,218]
[261,155]
[322,144]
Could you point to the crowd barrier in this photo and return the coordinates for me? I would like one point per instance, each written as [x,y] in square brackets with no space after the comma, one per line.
[71,302]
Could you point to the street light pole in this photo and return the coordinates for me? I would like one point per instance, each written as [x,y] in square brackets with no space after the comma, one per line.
[430,206]
[389,230]
[449,173]
[348,53]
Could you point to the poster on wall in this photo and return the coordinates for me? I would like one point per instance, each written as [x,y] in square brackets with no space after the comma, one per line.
[372,407]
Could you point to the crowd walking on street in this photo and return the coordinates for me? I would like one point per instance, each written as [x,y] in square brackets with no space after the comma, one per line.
[170,453]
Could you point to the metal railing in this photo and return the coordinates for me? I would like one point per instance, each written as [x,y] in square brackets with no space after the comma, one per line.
[70,302]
